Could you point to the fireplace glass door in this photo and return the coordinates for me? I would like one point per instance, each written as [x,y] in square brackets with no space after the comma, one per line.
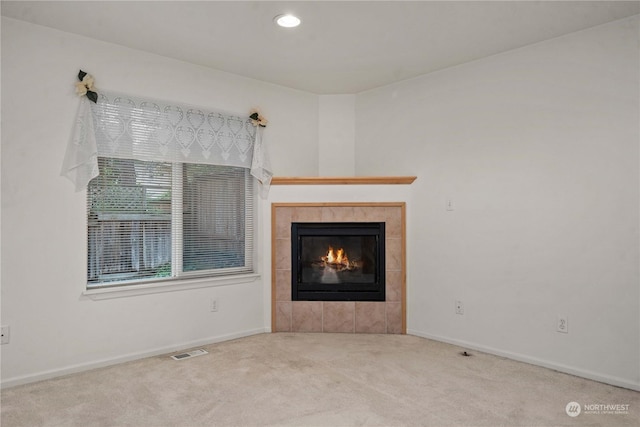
[337,261]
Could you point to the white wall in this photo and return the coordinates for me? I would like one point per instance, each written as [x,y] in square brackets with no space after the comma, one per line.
[336,135]
[53,329]
[538,149]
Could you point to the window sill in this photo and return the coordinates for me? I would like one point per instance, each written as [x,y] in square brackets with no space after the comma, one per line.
[171,286]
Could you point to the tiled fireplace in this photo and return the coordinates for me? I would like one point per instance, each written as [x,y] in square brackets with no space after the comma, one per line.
[387,316]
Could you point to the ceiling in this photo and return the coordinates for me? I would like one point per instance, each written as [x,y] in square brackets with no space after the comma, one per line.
[341,47]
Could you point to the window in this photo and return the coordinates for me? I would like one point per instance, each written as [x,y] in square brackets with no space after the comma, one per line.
[151,221]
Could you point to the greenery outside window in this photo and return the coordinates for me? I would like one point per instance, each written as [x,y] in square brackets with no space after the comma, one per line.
[155,221]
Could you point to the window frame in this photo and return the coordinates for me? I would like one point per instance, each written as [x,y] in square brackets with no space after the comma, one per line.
[179,279]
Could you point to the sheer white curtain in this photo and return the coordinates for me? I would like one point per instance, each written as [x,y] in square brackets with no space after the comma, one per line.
[128,127]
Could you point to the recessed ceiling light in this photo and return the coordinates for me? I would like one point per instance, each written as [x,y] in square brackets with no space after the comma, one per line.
[287,21]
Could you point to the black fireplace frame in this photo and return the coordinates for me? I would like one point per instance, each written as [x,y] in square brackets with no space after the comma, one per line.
[312,291]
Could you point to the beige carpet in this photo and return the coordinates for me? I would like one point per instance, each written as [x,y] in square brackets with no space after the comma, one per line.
[318,380]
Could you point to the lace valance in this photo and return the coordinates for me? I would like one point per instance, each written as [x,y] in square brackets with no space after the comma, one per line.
[128,127]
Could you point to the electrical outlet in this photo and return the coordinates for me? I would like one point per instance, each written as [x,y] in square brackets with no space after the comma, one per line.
[214,304]
[449,205]
[459,307]
[4,331]
[562,324]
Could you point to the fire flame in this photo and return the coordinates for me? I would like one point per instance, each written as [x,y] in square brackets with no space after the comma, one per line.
[338,257]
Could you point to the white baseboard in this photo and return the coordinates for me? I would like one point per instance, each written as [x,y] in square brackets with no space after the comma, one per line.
[607,379]
[53,373]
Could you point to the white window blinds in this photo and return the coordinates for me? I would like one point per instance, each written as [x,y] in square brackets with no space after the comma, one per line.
[169,189]
[158,220]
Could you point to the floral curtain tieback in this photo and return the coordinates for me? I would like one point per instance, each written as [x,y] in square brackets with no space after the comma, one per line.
[85,86]
[258,119]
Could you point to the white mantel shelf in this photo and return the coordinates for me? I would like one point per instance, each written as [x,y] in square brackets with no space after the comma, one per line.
[342,180]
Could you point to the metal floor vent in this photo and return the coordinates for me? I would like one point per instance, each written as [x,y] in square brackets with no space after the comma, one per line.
[189,355]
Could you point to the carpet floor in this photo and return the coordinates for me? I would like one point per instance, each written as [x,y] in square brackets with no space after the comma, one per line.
[291,379]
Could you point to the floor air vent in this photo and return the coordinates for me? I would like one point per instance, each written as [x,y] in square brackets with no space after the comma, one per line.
[189,355]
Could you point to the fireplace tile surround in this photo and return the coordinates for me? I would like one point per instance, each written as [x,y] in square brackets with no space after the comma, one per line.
[387,317]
